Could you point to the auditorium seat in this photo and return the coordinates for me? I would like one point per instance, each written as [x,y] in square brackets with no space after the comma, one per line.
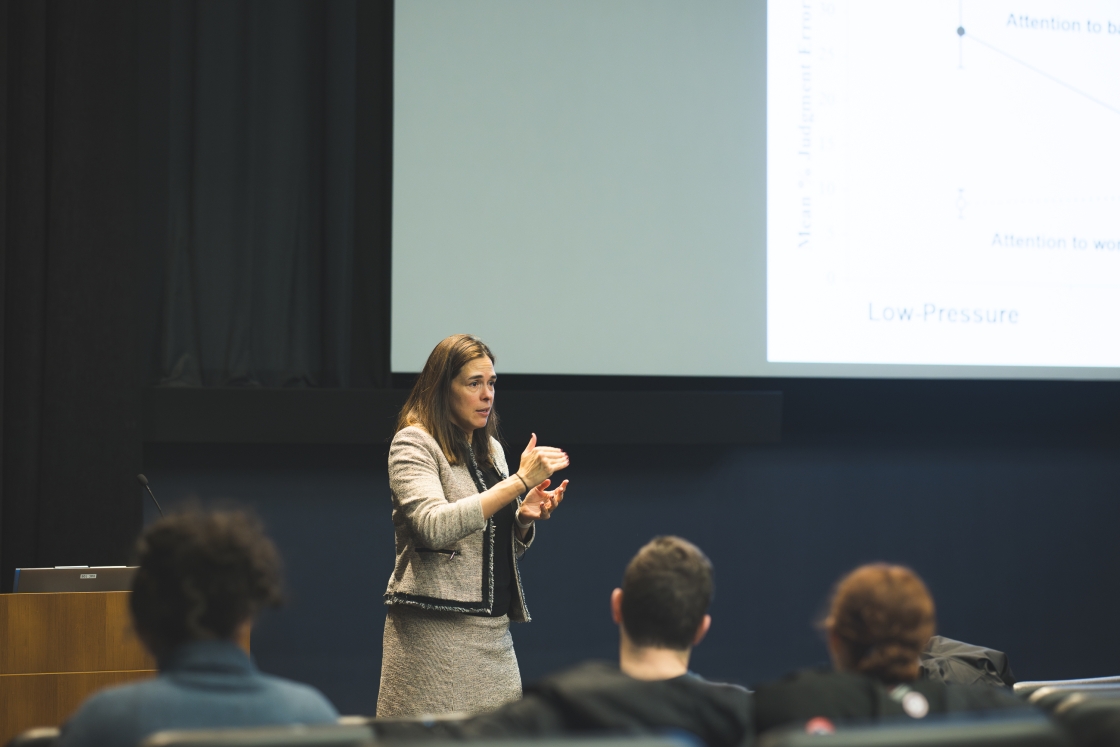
[1048,698]
[351,734]
[1026,688]
[1090,720]
[340,735]
[406,727]
[1032,730]
[432,729]
[1090,714]
[42,736]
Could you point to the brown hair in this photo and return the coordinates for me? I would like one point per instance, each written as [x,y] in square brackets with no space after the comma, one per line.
[666,591]
[429,403]
[881,616]
[201,575]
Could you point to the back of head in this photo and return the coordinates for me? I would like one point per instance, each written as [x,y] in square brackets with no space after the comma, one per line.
[666,591]
[201,575]
[880,619]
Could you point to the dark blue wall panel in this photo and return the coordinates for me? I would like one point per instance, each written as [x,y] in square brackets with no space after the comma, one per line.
[1015,538]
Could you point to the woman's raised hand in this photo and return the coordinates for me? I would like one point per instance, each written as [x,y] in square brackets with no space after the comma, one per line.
[540,503]
[538,463]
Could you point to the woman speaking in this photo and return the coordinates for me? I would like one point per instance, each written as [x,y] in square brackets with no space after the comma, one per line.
[461,523]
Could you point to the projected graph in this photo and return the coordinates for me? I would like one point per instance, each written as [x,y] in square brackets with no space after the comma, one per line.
[942,182]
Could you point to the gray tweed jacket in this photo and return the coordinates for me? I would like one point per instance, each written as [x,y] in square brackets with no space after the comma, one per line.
[445,549]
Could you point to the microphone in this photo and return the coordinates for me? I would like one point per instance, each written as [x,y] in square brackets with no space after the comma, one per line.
[144,481]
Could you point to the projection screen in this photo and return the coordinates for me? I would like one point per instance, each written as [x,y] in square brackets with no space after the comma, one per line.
[721,188]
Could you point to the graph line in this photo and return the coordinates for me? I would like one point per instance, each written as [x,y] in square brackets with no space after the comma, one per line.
[1043,73]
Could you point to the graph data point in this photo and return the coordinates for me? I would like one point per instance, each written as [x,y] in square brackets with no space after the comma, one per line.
[960,30]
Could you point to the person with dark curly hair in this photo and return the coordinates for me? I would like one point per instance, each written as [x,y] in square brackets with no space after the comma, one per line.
[880,620]
[203,577]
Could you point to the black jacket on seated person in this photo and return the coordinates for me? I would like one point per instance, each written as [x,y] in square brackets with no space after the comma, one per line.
[849,696]
[597,698]
[946,660]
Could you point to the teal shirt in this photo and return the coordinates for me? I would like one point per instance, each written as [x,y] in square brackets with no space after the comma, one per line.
[201,685]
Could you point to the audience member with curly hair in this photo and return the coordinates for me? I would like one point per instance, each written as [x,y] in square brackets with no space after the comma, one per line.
[880,619]
[202,579]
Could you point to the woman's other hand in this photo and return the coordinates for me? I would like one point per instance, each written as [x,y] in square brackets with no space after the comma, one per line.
[539,503]
[538,463]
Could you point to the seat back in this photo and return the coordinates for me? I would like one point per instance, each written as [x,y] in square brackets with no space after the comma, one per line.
[42,736]
[1047,698]
[1090,720]
[1026,688]
[428,727]
[1032,730]
[589,740]
[330,735]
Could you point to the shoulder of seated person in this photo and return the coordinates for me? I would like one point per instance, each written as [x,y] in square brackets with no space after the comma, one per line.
[106,715]
[602,675]
[694,679]
[125,696]
[291,686]
[815,676]
[843,689]
[590,670]
[593,674]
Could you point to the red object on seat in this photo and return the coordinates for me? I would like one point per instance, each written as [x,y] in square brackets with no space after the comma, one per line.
[819,725]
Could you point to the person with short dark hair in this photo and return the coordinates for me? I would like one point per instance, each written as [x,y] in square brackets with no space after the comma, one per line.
[663,602]
[662,612]
[880,619]
[202,580]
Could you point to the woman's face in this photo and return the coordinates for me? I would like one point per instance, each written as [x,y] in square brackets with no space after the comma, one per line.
[472,395]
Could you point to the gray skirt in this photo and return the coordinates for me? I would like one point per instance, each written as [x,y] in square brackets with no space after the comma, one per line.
[444,662]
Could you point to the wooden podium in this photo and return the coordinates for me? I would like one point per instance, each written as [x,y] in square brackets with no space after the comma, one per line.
[56,649]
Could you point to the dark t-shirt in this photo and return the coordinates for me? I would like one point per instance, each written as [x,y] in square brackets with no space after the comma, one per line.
[598,698]
[848,696]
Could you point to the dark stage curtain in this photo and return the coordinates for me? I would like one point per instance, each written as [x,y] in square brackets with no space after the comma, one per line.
[259,285]
[71,443]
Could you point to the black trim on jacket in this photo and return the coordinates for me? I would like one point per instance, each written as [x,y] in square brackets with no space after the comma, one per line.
[435,604]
